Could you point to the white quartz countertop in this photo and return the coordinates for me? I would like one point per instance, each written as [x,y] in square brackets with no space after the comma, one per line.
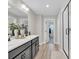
[17,42]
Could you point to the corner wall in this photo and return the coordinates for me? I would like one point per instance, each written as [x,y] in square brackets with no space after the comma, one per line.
[35,25]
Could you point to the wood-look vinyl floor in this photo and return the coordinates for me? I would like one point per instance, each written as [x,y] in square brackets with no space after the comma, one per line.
[46,51]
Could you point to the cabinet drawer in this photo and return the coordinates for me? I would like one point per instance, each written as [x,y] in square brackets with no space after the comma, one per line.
[16,51]
[25,54]
[34,40]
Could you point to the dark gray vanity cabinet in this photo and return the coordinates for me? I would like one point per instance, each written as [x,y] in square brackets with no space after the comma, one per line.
[26,51]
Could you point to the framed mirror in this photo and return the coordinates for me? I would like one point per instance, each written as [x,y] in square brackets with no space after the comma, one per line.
[16,19]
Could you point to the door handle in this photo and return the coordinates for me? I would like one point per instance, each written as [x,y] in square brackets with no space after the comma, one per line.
[68,31]
[23,56]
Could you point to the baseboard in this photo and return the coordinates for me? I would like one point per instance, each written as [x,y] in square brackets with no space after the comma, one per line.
[42,43]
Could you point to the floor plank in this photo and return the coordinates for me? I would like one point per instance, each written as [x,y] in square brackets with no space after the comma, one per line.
[47,51]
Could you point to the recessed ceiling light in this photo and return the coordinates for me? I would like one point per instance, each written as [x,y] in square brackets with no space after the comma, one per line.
[24,7]
[47,6]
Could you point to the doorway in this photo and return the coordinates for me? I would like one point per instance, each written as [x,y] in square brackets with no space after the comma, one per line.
[51,32]
[49,23]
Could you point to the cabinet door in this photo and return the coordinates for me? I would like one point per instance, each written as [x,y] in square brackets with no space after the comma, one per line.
[33,50]
[25,54]
[37,46]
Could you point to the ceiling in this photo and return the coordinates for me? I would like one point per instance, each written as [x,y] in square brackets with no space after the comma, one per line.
[39,6]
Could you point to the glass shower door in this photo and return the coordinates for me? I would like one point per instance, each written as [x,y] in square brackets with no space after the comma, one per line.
[66,30]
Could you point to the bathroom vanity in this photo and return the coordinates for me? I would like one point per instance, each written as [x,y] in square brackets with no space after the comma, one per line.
[25,48]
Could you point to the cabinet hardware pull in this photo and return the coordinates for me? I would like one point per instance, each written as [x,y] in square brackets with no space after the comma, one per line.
[23,56]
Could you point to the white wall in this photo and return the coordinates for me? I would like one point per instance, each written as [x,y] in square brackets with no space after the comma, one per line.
[35,25]
[39,28]
[59,29]
[31,22]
